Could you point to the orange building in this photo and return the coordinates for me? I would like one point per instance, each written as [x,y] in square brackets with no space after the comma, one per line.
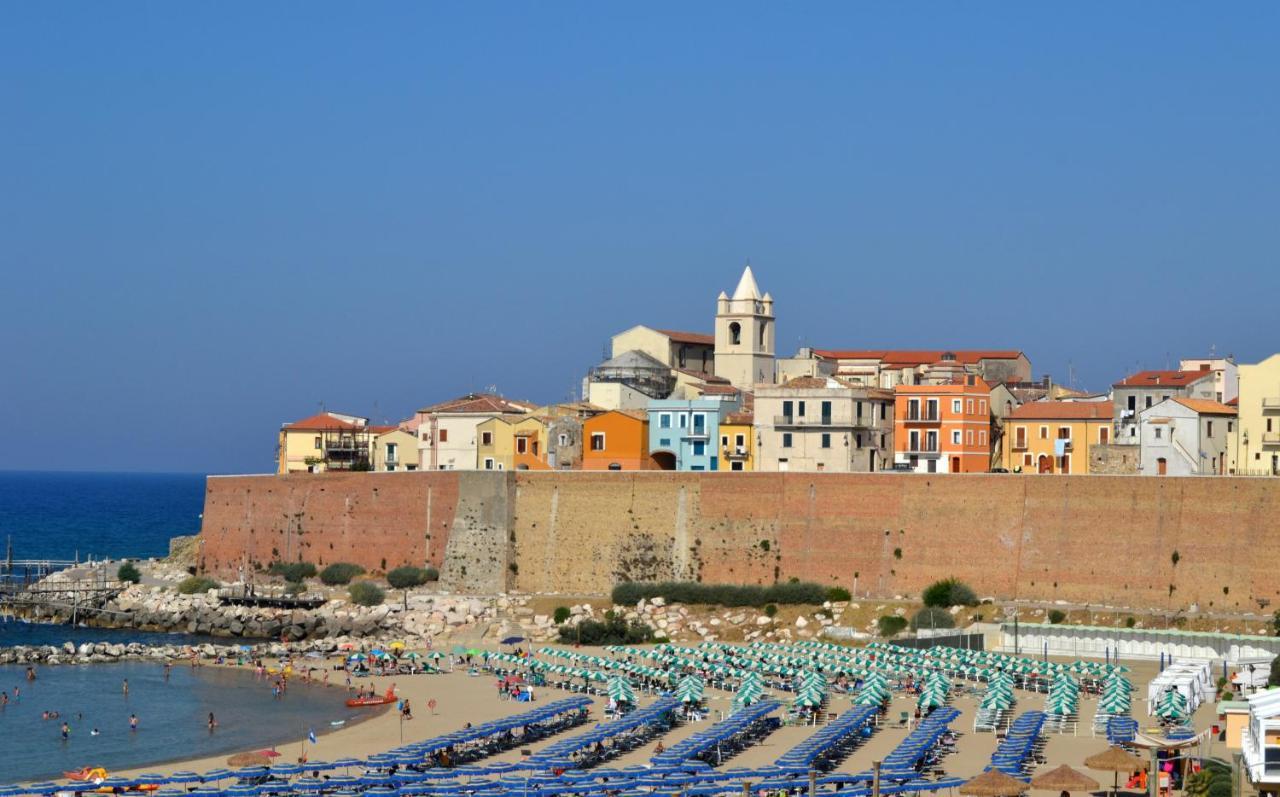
[617,440]
[947,422]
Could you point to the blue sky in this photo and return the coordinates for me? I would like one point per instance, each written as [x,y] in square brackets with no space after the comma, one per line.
[216,216]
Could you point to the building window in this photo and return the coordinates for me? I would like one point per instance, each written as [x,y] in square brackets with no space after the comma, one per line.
[488,463]
[444,435]
[932,406]
[724,441]
[735,333]
[1158,432]
[913,441]
[680,356]
[968,406]
[1208,428]
[1148,402]
[597,441]
[317,443]
[982,406]
[486,438]
[391,452]
[1044,432]
[684,420]
[1104,434]
[563,439]
[735,465]
[1064,432]
[982,437]
[913,409]
[740,440]
[664,420]
[826,440]
[882,411]
[786,439]
[826,411]
[857,440]
[1230,426]
[425,437]
[521,445]
[786,410]
[1020,437]
[800,408]
[699,448]
[1026,460]
[955,406]
[968,437]
[955,436]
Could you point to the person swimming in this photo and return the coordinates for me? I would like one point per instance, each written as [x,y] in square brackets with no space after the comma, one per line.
[95,732]
[133,722]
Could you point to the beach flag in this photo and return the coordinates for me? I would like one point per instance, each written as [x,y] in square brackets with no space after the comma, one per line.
[311,735]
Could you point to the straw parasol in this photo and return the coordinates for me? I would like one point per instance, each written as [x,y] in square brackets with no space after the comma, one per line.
[248,760]
[1064,778]
[1116,760]
[994,783]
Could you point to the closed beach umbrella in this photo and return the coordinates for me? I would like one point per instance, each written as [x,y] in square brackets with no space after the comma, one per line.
[993,783]
[248,760]
[1064,778]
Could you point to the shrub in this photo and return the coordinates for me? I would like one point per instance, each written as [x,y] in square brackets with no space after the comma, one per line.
[770,610]
[891,625]
[931,617]
[947,593]
[1212,781]
[293,571]
[196,584]
[129,572]
[837,594]
[340,573]
[612,631]
[732,595]
[294,588]
[1273,677]
[366,593]
[1057,616]
[432,574]
[407,576]
[1130,622]
[561,614]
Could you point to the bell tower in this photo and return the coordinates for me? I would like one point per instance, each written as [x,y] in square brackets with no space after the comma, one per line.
[744,335]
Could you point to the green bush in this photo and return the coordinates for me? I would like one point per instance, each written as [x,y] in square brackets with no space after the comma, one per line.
[891,625]
[293,588]
[1212,781]
[1130,622]
[407,576]
[293,571]
[837,594]
[931,617]
[1056,616]
[366,593]
[432,573]
[340,573]
[196,584]
[770,609]
[561,614]
[129,572]
[947,593]
[612,631]
[732,595]
[1273,677]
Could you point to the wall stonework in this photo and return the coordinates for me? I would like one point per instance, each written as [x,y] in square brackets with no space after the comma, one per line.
[1114,459]
[1084,539]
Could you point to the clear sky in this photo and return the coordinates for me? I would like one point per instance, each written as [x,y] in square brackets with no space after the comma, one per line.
[216,216]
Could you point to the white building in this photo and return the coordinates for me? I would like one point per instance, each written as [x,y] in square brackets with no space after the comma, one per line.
[1185,437]
[1226,379]
[1260,742]
[447,434]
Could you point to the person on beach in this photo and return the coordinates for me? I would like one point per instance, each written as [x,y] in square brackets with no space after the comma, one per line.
[133,722]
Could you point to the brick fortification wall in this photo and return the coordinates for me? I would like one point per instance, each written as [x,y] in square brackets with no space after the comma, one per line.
[1096,539]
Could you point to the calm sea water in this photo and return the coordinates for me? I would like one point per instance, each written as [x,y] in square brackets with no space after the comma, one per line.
[172,717]
[57,515]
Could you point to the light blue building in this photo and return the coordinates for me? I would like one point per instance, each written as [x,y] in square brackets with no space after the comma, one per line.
[683,432]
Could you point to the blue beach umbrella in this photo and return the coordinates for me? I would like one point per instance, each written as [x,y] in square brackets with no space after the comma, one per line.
[285,769]
[213,774]
[347,762]
[11,791]
[205,793]
[308,784]
[184,776]
[249,772]
[43,788]
[241,790]
[153,778]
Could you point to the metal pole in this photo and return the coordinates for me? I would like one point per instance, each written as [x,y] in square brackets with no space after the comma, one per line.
[875,779]
[746,788]
[813,782]
[1153,777]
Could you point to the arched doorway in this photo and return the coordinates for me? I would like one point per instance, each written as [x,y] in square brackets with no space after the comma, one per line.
[665,460]
[1045,464]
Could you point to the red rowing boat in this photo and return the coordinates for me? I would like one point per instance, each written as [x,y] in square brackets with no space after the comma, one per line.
[374,700]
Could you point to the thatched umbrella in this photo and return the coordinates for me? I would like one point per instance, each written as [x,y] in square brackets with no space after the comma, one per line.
[1117,760]
[249,760]
[1064,778]
[993,783]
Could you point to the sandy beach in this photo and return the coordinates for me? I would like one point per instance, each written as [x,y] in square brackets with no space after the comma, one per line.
[462,698]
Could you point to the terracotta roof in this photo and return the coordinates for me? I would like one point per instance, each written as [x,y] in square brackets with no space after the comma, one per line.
[1206,406]
[480,403]
[1235,402]
[321,422]
[689,337]
[1064,411]
[383,429]
[740,418]
[909,357]
[704,376]
[1163,378]
[717,389]
[639,415]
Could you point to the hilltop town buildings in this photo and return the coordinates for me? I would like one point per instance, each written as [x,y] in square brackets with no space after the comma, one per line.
[724,400]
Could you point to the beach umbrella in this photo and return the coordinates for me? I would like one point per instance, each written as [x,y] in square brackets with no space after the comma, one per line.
[511,640]
[1117,760]
[43,788]
[994,783]
[1064,778]
[474,652]
[286,769]
[399,643]
[241,790]
[155,778]
[185,776]
[249,760]
[620,690]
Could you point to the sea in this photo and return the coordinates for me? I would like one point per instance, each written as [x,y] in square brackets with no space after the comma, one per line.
[78,515]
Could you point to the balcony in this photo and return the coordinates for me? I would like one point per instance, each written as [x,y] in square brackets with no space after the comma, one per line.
[695,433]
[735,452]
[923,417]
[813,421]
[925,449]
[1271,405]
[1271,438]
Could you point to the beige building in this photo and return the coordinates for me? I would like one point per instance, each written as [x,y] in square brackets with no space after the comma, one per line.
[744,340]
[691,351]
[447,432]
[326,441]
[888,368]
[814,424]
[395,450]
[1254,448]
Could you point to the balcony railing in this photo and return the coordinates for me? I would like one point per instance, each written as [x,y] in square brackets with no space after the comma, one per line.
[1271,438]
[1271,403]
[923,417]
[735,452]
[922,448]
[815,421]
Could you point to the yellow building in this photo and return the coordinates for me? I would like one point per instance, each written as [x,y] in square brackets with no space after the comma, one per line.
[326,441]
[737,442]
[1055,436]
[1254,447]
[512,442]
[395,450]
